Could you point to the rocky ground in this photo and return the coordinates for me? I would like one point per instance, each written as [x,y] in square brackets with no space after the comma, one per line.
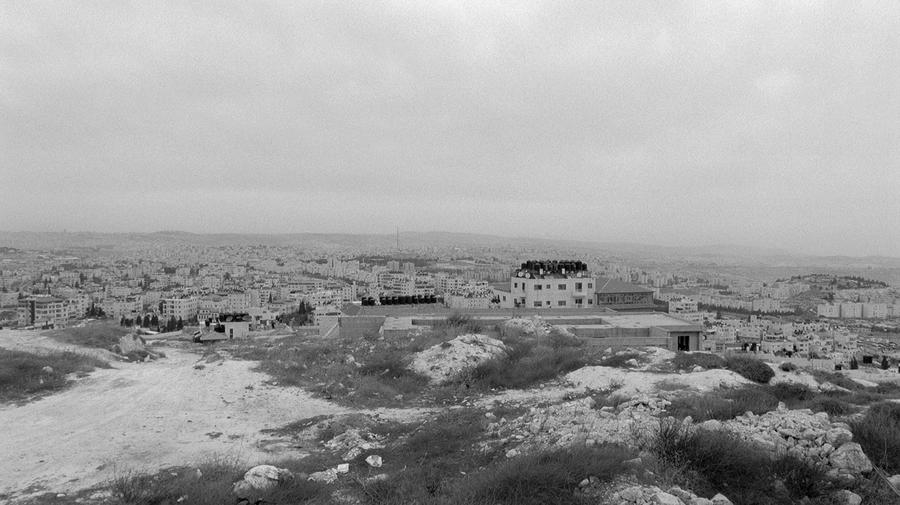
[183,407]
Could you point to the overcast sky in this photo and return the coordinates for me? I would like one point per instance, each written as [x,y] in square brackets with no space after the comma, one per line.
[773,124]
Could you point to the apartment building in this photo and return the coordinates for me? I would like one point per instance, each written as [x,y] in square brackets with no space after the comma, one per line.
[42,310]
[552,285]
[185,308]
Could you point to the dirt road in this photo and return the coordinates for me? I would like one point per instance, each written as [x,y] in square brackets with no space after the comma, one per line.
[143,416]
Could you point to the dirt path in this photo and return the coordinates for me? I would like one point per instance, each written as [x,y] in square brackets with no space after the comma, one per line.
[143,416]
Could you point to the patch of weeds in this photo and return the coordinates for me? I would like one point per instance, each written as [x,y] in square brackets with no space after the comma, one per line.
[787,366]
[723,404]
[543,477]
[878,432]
[619,360]
[710,462]
[527,362]
[688,360]
[208,483]
[24,374]
[102,335]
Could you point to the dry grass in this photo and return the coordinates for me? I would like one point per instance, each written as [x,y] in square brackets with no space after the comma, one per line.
[23,374]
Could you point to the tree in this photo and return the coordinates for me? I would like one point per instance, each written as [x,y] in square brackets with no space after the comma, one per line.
[122,321]
[154,322]
[179,325]
[146,321]
[884,363]
[854,365]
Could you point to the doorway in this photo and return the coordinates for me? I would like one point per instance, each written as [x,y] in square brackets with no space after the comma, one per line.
[684,342]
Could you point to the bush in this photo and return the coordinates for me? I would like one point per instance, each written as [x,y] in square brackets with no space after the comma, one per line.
[878,432]
[99,335]
[687,361]
[787,366]
[750,368]
[792,394]
[832,406]
[524,366]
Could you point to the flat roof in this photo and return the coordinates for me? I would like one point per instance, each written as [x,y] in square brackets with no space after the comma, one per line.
[650,320]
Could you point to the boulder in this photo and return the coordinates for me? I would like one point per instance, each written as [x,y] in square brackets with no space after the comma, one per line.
[261,478]
[838,436]
[327,476]
[374,461]
[47,370]
[662,498]
[895,480]
[850,458]
[846,497]
[720,499]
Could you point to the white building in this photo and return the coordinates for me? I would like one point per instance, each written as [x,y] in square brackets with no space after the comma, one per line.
[552,285]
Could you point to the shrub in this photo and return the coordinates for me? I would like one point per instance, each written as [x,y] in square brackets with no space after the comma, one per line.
[99,335]
[878,432]
[787,366]
[832,406]
[750,368]
[687,361]
[791,393]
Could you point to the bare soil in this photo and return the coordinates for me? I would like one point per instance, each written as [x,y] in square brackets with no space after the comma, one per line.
[144,416]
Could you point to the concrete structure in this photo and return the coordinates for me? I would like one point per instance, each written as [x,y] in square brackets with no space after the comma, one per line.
[552,285]
[237,325]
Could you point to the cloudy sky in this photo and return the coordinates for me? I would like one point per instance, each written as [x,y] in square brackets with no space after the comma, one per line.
[774,124]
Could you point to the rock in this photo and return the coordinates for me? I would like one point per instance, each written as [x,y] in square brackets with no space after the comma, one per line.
[633,363]
[685,496]
[633,463]
[850,458]
[584,483]
[895,480]
[342,468]
[720,499]
[512,453]
[261,478]
[446,362]
[662,498]
[632,494]
[697,369]
[701,501]
[845,497]
[838,436]
[327,476]
[374,461]
[47,369]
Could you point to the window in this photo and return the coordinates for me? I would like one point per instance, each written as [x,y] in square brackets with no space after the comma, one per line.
[538,287]
[590,285]
[548,286]
[537,304]
[548,303]
[561,303]
[577,286]
[590,302]
[516,284]
[561,287]
[578,301]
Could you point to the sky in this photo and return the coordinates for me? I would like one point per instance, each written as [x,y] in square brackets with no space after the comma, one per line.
[771,124]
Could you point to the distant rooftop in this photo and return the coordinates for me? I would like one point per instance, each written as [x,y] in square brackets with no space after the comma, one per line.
[606,285]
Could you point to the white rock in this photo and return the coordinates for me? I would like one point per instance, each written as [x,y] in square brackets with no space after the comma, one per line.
[851,458]
[720,499]
[327,476]
[662,498]
[374,461]
[260,478]
[342,468]
[848,497]
[895,480]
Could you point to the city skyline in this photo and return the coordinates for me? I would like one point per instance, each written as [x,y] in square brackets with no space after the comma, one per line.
[681,124]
